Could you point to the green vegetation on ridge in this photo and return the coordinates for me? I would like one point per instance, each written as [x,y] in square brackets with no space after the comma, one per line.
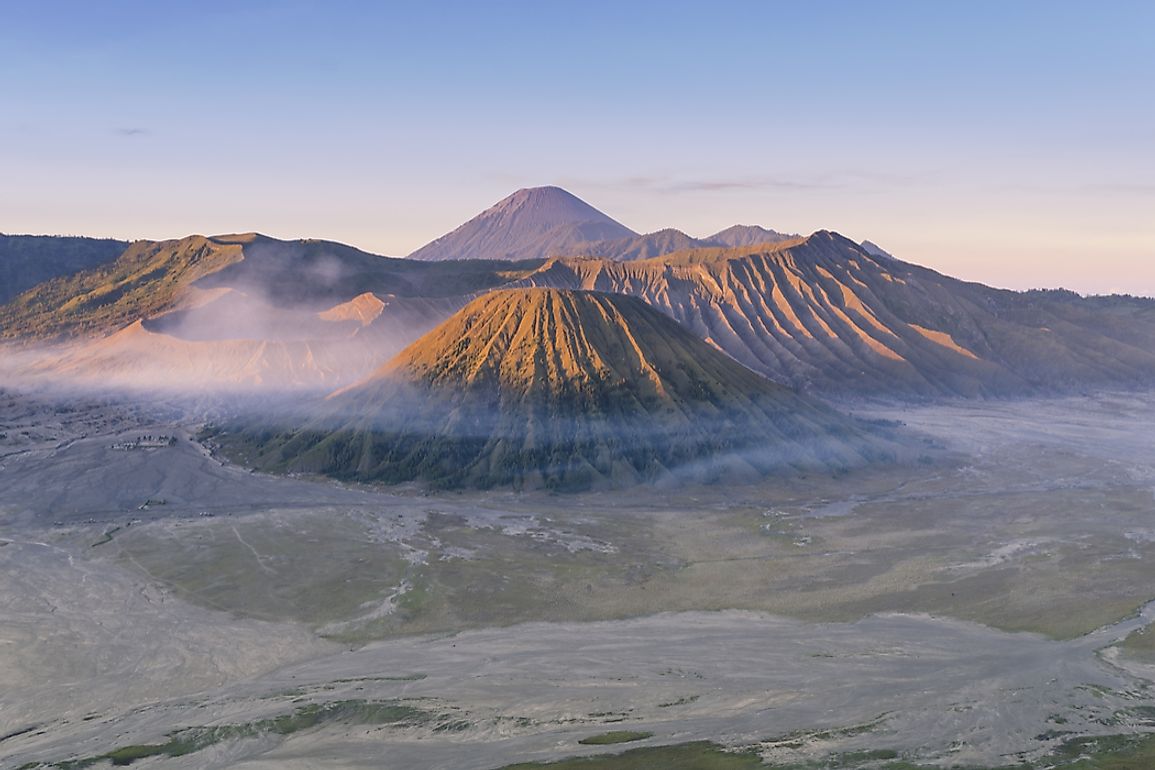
[147,279]
[615,736]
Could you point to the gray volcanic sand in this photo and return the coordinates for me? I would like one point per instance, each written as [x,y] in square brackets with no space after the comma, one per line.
[80,636]
[120,624]
[742,678]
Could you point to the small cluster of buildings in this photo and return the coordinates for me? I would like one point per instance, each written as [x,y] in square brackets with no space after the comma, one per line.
[145,442]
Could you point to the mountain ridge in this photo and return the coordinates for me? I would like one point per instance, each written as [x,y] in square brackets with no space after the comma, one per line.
[645,246]
[152,278]
[817,312]
[820,312]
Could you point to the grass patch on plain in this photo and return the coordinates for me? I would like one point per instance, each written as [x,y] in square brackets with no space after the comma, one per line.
[193,739]
[700,755]
[1107,752]
[615,736]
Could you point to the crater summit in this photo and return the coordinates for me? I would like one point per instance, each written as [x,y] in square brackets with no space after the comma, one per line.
[546,387]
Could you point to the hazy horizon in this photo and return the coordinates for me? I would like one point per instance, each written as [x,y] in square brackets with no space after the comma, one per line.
[1002,144]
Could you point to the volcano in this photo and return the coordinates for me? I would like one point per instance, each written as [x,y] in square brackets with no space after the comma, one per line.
[562,389]
[533,223]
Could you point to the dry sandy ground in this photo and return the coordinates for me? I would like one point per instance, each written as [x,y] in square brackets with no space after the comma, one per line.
[120,624]
[532,691]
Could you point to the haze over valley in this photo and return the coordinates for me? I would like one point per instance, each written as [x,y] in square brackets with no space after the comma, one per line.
[577,387]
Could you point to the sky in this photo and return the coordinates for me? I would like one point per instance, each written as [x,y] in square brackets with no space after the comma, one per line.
[1011,143]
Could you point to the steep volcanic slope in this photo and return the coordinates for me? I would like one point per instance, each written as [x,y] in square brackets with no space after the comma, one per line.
[560,388]
[26,260]
[533,223]
[820,312]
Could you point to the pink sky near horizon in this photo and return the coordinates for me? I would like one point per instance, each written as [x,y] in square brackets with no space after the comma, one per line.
[1010,144]
[1056,248]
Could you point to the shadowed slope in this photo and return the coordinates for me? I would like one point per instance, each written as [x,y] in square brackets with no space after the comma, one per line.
[561,389]
[26,260]
[532,223]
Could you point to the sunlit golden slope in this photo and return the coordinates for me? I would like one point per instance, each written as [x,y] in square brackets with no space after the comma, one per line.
[571,348]
[562,388]
[819,312]
[148,278]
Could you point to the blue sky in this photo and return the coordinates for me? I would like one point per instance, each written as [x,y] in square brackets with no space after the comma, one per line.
[1007,142]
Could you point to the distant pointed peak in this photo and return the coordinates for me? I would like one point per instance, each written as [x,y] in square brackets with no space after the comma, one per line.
[747,235]
[531,197]
[364,308]
[830,239]
[531,223]
[831,235]
[541,194]
[543,190]
[834,242]
[741,227]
